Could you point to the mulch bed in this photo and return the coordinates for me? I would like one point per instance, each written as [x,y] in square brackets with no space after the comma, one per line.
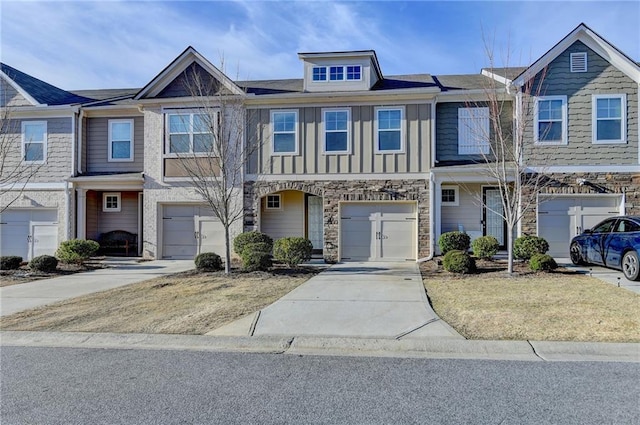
[487,269]
[25,274]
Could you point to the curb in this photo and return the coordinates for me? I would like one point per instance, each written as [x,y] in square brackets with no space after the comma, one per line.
[436,348]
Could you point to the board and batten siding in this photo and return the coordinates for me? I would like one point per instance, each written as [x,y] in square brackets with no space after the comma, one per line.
[601,78]
[311,158]
[97,146]
[447,130]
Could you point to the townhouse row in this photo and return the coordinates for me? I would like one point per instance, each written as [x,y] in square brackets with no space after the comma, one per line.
[367,166]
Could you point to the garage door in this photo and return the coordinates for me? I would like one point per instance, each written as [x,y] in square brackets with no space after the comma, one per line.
[377,231]
[189,230]
[562,218]
[28,233]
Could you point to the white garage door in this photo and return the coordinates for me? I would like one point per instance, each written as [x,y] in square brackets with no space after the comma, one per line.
[378,231]
[28,233]
[189,230]
[562,218]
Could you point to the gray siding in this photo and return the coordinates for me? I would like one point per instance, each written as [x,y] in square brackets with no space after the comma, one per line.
[601,78]
[447,131]
[92,215]
[59,144]
[194,79]
[10,96]
[99,221]
[468,212]
[362,159]
[97,146]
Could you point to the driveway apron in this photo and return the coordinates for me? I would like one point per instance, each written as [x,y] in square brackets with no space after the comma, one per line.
[369,300]
[120,272]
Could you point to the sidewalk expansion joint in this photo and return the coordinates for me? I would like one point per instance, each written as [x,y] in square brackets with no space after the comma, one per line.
[535,352]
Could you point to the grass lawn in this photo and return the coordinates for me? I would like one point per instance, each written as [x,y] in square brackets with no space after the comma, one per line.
[184,303]
[561,306]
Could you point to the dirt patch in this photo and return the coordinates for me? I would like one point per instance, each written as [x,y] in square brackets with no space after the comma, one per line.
[25,274]
[183,303]
[560,306]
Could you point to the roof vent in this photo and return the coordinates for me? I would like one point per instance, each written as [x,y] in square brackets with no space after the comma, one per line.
[579,62]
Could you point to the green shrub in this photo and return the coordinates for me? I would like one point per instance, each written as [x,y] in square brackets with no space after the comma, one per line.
[453,240]
[44,263]
[246,238]
[457,261]
[77,250]
[542,262]
[525,246]
[258,247]
[292,251]
[10,262]
[208,262]
[485,247]
[255,260]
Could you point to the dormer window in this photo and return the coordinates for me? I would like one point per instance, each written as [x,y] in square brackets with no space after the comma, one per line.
[354,72]
[337,73]
[319,73]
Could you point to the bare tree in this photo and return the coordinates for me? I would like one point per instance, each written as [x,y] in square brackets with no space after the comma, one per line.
[15,173]
[216,161]
[510,112]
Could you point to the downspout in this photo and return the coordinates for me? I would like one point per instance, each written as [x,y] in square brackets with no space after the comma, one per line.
[432,189]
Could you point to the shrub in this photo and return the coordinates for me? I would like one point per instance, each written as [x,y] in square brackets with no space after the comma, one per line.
[44,263]
[292,251]
[454,240]
[208,262]
[542,262]
[77,250]
[457,261]
[255,260]
[485,247]
[246,238]
[258,247]
[10,262]
[525,246]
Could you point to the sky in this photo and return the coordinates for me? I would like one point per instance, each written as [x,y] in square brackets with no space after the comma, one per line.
[125,44]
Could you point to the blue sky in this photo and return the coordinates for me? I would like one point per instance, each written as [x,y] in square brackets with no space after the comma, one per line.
[119,44]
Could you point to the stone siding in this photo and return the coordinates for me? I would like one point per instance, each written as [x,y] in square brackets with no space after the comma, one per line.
[334,192]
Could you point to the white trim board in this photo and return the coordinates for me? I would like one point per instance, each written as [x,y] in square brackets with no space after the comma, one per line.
[333,177]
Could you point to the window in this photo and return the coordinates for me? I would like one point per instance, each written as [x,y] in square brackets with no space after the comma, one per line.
[120,140]
[354,72]
[111,202]
[273,202]
[336,73]
[449,196]
[190,133]
[336,130]
[551,120]
[319,73]
[34,141]
[627,226]
[284,133]
[578,62]
[605,226]
[473,131]
[609,118]
[389,130]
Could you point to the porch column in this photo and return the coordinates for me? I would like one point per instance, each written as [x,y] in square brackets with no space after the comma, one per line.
[81,223]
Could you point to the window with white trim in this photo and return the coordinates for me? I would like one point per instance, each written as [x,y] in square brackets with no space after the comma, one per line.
[336,130]
[284,132]
[120,147]
[111,202]
[354,72]
[449,196]
[319,73]
[578,62]
[609,115]
[389,130]
[34,141]
[190,133]
[550,126]
[273,202]
[473,131]
[337,73]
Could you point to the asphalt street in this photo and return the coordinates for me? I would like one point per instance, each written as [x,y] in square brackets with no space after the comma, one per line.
[114,386]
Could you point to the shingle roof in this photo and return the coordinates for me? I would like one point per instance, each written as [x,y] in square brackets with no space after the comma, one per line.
[42,92]
[465,82]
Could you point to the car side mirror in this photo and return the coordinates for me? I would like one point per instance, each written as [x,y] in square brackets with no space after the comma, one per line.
[588,231]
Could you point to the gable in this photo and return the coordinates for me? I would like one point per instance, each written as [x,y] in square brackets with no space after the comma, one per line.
[10,97]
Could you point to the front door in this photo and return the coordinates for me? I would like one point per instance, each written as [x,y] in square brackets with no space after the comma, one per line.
[493,223]
[314,221]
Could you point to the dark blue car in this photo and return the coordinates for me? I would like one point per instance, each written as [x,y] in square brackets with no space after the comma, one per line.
[613,243]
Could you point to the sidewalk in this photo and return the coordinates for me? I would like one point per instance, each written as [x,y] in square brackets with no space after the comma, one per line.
[121,272]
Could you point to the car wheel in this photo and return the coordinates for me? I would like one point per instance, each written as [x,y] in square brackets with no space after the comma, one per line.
[630,265]
[576,254]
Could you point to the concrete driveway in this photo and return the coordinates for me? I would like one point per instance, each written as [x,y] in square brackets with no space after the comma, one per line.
[614,277]
[367,300]
[121,272]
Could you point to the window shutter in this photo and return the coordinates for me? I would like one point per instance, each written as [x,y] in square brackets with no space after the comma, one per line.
[579,62]
[473,131]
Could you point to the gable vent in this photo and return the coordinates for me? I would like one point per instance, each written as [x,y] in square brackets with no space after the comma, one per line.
[579,62]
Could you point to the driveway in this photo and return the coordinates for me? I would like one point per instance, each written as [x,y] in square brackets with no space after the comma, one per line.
[368,300]
[614,277]
[121,272]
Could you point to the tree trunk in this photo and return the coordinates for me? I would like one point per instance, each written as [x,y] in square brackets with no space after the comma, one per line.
[510,250]
[227,248]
